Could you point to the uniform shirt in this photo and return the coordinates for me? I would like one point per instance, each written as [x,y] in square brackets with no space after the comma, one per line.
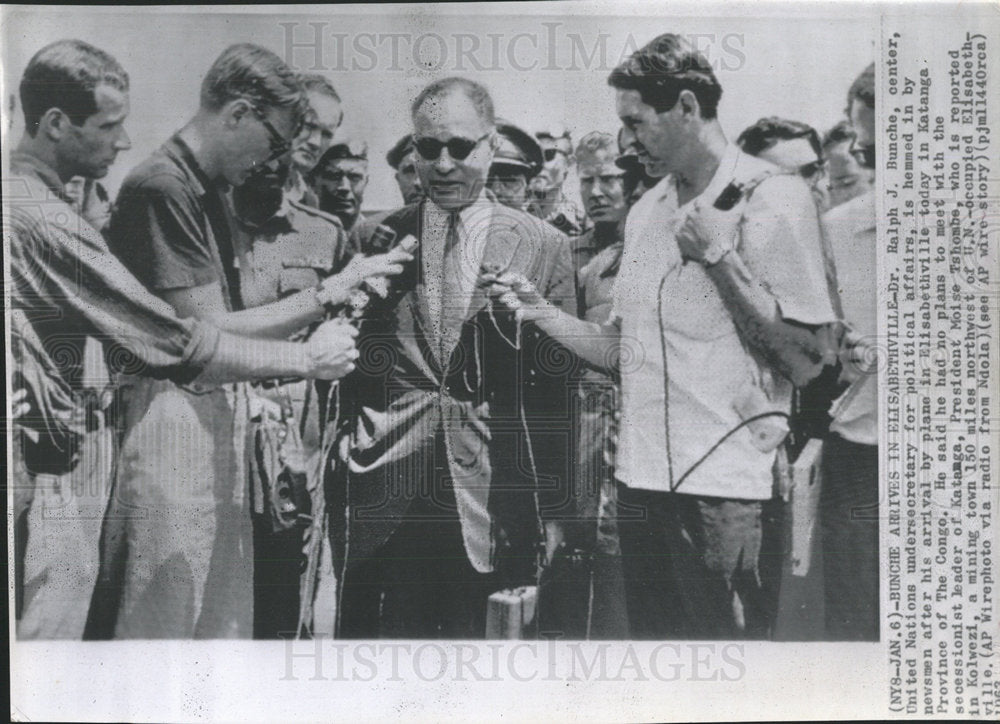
[687,376]
[850,230]
[584,248]
[69,286]
[293,250]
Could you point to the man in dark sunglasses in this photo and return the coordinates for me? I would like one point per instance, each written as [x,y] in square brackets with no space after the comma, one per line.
[549,203]
[443,506]
[792,146]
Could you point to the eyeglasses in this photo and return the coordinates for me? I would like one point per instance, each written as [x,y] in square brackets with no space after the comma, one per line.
[551,153]
[864,155]
[458,148]
[811,170]
[279,144]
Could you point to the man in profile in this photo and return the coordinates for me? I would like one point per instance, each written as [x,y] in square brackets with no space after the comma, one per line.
[340,179]
[847,178]
[791,146]
[849,496]
[720,290]
[65,285]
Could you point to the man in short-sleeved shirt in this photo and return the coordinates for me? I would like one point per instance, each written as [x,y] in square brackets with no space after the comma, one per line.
[718,298]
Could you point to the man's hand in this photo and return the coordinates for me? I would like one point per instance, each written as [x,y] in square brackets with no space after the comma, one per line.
[19,405]
[332,350]
[858,357]
[336,289]
[517,294]
[708,234]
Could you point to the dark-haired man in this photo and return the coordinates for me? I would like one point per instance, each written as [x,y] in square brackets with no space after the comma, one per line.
[340,179]
[185,566]
[849,498]
[402,158]
[719,305]
[459,417]
[847,178]
[791,146]
[66,285]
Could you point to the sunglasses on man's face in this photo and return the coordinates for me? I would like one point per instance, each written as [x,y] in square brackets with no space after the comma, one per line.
[551,153]
[458,148]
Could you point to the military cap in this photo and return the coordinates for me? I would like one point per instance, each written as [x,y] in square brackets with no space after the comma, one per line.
[517,149]
[398,152]
[355,150]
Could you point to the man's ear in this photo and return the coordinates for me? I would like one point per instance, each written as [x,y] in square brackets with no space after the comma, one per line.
[54,124]
[689,105]
[237,110]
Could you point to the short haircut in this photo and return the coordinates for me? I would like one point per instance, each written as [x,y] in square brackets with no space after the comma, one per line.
[841,133]
[863,88]
[597,141]
[766,132]
[256,75]
[475,92]
[664,67]
[64,75]
[316,83]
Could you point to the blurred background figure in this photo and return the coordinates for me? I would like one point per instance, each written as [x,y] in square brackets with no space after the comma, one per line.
[637,179]
[517,160]
[323,118]
[340,179]
[847,179]
[792,146]
[403,159]
[548,201]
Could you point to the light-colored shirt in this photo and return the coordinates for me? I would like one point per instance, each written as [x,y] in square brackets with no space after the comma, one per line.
[688,378]
[850,229]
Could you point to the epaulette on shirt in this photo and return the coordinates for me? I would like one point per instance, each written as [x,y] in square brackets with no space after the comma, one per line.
[314,212]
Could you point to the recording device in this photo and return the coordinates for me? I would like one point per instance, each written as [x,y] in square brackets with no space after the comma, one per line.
[730,196]
[381,242]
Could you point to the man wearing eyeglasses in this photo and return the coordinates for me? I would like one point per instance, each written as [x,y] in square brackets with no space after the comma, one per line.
[849,497]
[340,179]
[792,146]
[548,202]
[177,539]
[458,419]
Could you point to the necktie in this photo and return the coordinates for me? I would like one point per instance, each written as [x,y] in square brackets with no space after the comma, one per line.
[451,303]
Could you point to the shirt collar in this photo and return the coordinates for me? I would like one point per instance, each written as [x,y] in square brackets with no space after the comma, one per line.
[466,214]
[29,164]
[177,149]
[724,173]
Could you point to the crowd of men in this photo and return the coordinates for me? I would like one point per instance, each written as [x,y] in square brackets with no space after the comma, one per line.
[327,422]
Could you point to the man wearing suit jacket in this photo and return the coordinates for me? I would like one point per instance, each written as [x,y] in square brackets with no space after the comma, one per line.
[456,439]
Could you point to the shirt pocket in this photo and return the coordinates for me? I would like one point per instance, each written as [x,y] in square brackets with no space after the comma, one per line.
[298,273]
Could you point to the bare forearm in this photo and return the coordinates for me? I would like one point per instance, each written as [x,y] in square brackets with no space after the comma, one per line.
[277,320]
[794,350]
[595,344]
[237,359]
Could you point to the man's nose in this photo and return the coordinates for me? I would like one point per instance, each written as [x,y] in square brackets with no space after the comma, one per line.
[628,138]
[123,142]
[445,163]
